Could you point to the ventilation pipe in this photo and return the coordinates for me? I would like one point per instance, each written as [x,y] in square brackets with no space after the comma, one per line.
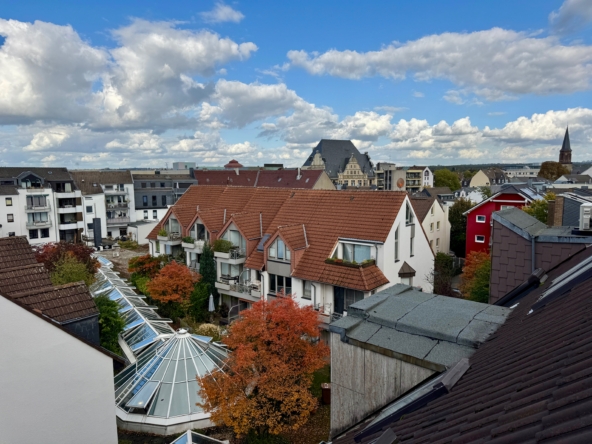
[224,222]
[261,224]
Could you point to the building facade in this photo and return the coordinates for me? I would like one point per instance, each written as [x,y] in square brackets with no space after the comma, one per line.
[565,152]
[433,217]
[488,177]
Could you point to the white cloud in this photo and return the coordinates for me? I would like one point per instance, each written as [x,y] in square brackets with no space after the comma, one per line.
[222,13]
[46,139]
[455,97]
[495,64]
[418,94]
[49,159]
[572,16]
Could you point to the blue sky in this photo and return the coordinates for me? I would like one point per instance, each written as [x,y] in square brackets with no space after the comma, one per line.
[145,83]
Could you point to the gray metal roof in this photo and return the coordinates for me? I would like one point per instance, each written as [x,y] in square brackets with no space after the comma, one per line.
[336,154]
[522,220]
[566,146]
[419,326]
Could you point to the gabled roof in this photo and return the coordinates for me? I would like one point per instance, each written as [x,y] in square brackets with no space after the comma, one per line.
[15,251]
[281,178]
[527,193]
[294,236]
[576,178]
[89,182]
[437,191]
[422,206]
[336,155]
[566,145]
[62,303]
[244,178]
[51,174]
[529,382]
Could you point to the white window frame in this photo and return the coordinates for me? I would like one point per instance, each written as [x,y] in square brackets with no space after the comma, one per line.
[432,227]
[477,218]
[479,241]
[397,244]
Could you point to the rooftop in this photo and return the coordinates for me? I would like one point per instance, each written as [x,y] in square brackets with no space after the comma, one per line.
[89,182]
[416,326]
[336,155]
[50,173]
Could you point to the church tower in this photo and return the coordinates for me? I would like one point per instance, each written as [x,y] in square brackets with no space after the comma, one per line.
[565,153]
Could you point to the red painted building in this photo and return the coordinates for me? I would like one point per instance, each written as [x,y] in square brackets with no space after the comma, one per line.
[479,217]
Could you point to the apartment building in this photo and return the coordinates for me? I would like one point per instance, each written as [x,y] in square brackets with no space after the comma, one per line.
[328,248]
[155,191]
[42,204]
[522,171]
[488,177]
[391,177]
[108,196]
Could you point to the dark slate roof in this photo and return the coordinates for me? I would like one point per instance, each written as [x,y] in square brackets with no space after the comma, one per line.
[437,191]
[85,179]
[8,190]
[23,278]
[566,146]
[531,381]
[63,303]
[422,328]
[578,178]
[15,251]
[336,154]
[51,174]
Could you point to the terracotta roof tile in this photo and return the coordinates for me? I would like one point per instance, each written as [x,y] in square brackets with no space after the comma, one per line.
[89,182]
[63,303]
[255,261]
[361,278]
[23,278]
[422,206]
[15,251]
[294,236]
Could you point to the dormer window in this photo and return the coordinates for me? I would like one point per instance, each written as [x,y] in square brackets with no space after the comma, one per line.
[235,238]
[278,250]
[356,253]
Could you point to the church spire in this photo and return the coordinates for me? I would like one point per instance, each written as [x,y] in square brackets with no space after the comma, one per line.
[566,145]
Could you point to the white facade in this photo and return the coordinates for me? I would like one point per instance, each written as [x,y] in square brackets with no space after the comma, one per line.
[472,194]
[56,388]
[523,172]
[428,178]
[437,228]
[151,214]
[94,206]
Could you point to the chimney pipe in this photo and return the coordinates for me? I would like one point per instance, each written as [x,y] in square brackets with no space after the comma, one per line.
[260,224]
[224,216]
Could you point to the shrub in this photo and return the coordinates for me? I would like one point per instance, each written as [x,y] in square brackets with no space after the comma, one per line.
[141,283]
[163,232]
[198,302]
[145,265]
[222,246]
[110,323]
[50,254]
[188,240]
[69,269]
[128,245]
[210,330]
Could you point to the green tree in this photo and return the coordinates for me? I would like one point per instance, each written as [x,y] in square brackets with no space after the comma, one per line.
[475,277]
[69,269]
[552,170]
[540,208]
[446,178]
[110,323]
[198,302]
[207,269]
[458,225]
[468,174]
[485,192]
[443,274]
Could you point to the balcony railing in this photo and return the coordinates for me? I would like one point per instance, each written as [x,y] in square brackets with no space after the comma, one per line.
[247,287]
[115,191]
[39,224]
[118,220]
[111,205]
[237,253]
[46,206]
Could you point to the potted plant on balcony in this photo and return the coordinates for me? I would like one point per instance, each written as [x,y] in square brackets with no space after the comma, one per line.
[222,248]
[187,242]
[162,235]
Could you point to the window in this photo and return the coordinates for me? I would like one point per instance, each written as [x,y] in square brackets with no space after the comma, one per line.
[431,227]
[352,296]
[161,184]
[143,184]
[36,201]
[437,242]
[280,284]
[431,243]
[235,237]
[408,214]
[157,245]
[356,253]
[397,244]
[9,201]
[44,232]
[278,250]
[89,209]
[33,234]
[507,206]
[412,242]
[145,214]
[145,201]
[481,219]
[152,185]
[306,289]
[163,201]
[432,210]
[154,214]
[230,271]
[438,225]
[154,202]
[10,218]
[480,239]
[89,226]
[121,187]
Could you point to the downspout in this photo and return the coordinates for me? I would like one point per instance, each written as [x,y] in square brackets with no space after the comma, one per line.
[533,255]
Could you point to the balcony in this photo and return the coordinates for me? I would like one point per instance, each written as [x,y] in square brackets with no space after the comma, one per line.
[37,207]
[170,239]
[247,291]
[193,247]
[115,191]
[66,209]
[39,224]
[117,205]
[70,225]
[118,220]
[235,256]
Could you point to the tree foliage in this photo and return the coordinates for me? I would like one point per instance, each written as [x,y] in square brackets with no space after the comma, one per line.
[458,225]
[146,265]
[486,192]
[446,178]
[51,253]
[199,302]
[443,274]
[475,278]
[207,269]
[110,323]
[174,283]
[468,174]
[540,208]
[68,269]
[552,170]
[266,389]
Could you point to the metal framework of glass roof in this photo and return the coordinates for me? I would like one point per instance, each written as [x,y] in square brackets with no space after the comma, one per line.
[161,386]
[143,325]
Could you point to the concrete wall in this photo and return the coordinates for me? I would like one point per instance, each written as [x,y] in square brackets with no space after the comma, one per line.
[362,381]
[56,388]
[324,183]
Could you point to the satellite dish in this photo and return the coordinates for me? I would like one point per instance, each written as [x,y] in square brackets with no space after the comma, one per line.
[400,183]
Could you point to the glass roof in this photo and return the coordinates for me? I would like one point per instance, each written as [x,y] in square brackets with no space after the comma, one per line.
[191,437]
[143,325]
[162,383]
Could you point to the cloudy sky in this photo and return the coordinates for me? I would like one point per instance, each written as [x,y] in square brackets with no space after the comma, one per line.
[129,84]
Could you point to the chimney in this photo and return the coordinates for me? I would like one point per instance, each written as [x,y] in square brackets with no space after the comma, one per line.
[236,171]
[299,175]
[224,216]
[261,224]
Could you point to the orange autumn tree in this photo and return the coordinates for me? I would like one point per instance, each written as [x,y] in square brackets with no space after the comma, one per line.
[174,283]
[266,387]
[475,277]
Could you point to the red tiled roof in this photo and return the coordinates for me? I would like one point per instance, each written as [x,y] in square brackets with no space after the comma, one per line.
[245,178]
[23,278]
[361,278]
[284,178]
[233,164]
[62,303]
[294,236]
[255,261]
[15,251]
